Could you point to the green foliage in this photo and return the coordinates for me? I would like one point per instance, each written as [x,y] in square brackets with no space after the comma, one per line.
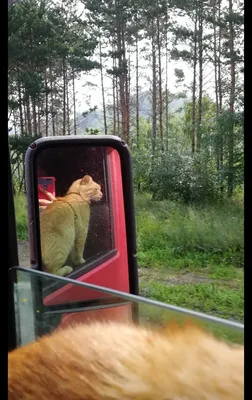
[192,256]
[208,115]
[204,297]
[174,235]
[92,131]
[48,43]
[226,122]
[141,155]
[21,217]
[18,146]
[91,109]
[182,176]
[174,172]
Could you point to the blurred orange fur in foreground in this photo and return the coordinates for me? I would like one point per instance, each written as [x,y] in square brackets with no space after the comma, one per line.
[107,361]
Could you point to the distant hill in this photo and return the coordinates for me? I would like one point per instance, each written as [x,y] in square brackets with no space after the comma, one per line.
[94,120]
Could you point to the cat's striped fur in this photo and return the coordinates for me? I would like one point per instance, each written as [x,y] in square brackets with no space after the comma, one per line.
[64,226]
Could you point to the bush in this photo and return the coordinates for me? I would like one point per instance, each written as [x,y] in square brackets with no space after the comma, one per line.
[183,176]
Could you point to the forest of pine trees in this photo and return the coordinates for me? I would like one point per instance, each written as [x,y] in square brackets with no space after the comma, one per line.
[195,153]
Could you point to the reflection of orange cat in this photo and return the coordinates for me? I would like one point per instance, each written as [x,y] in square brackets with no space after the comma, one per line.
[113,361]
[64,225]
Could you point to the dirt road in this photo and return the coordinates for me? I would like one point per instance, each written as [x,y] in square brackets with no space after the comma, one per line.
[145,274]
[23,254]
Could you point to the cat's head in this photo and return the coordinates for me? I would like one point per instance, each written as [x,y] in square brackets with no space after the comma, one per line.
[89,189]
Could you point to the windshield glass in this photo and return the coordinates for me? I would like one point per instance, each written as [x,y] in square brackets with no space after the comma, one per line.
[37,312]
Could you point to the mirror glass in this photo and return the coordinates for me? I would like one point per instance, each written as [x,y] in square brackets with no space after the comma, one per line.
[75,206]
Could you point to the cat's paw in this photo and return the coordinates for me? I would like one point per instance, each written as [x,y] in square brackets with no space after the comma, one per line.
[64,270]
[79,261]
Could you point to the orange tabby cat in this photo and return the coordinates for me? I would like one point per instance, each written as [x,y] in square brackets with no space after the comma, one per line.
[64,225]
[113,361]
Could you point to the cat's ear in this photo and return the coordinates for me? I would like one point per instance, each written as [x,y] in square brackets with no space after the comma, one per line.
[86,179]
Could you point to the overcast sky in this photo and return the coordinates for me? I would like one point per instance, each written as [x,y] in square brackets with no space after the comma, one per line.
[93,94]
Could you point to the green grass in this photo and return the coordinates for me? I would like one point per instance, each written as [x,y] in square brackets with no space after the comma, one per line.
[178,236]
[192,256]
[188,256]
[21,217]
[210,298]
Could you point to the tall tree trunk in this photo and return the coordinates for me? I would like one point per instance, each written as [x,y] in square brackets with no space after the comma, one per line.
[74,104]
[137,92]
[64,97]
[166,84]
[67,105]
[231,103]
[114,97]
[57,124]
[219,59]
[160,86]
[52,100]
[103,93]
[20,108]
[123,107]
[34,114]
[216,80]
[194,84]
[127,85]
[128,82]
[215,61]
[154,91]
[25,115]
[46,104]
[200,46]
[122,74]
[118,107]
[15,122]
[29,122]
[221,142]
[39,117]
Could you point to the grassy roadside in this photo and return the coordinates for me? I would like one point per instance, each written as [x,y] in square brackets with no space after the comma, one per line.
[21,217]
[192,256]
[188,256]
